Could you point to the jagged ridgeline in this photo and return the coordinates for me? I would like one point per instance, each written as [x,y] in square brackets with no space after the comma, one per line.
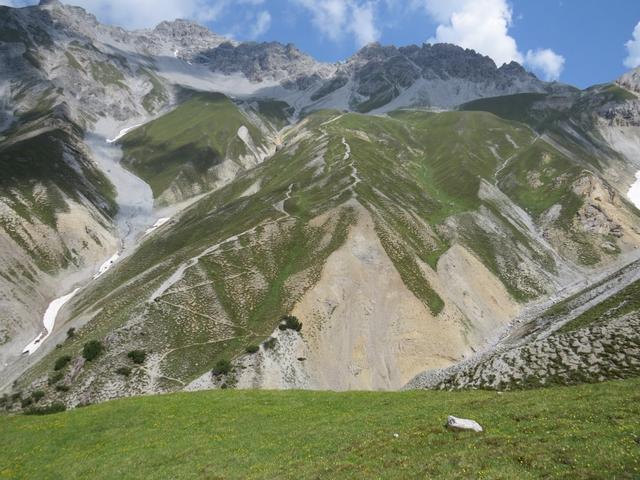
[404,211]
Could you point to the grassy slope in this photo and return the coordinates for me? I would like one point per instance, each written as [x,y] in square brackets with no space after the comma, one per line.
[589,431]
[186,142]
[37,176]
[622,303]
[409,184]
[541,175]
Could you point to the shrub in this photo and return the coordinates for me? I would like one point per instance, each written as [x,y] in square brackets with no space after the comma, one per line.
[92,349]
[252,349]
[26,402]
[37,395]
[124,371]
[289,322]
[62,362]
[71,332]
[16,396]
[55,378]
[62,388]
[222,367]
[269,343]
[55,407]
[137,356]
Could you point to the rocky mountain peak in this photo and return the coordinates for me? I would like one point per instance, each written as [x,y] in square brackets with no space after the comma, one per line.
[50,3]
[181,28]
[631,80]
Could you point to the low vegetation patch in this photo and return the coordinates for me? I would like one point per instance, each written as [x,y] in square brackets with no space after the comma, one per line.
[290,322]
[222,367]
[137,356]
[55,407]
[62,362]
[92,350]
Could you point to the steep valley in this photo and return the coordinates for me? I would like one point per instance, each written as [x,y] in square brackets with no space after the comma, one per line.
[447,228]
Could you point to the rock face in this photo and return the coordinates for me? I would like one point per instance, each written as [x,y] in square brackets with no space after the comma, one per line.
[54,46]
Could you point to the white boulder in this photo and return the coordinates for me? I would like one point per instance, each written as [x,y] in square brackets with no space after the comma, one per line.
[463,424]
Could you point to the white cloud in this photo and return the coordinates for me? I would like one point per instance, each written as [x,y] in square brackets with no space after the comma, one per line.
[335,18]
[633,49]
[261,24]
[545,61]
[363,24]
[479,24]
[148,13]
[483,25]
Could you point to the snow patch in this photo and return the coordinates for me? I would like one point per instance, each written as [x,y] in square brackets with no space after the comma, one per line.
[243,133]
[158,224]
[49,321]
[107,265]
[634,192]
[123,132]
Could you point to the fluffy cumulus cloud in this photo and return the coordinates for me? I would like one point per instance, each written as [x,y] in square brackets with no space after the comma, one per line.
[479,24]
[483,25]
[546,61]
[337,18]
[633,49]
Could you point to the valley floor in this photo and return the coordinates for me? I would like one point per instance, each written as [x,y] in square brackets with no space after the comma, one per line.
[589,431]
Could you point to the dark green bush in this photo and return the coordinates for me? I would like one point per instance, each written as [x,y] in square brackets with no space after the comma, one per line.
[252,349]
[55,378]
[222,367]
[62,362]
[124,371]
[37,395]
[56,407]
[26,402]
[289,322]
[62,388]
[269,343]
[71,332]
[16,396]
[137,356]
[92,349]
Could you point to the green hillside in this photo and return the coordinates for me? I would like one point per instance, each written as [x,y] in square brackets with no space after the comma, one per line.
[180,147]
[590,431]
[417,174]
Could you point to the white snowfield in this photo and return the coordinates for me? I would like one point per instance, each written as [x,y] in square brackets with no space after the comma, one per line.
[123,132]
[135,200]
[49,321]
[634,191]
[107,265]
[158,224]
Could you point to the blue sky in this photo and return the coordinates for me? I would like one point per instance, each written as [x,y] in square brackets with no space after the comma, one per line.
[582,42]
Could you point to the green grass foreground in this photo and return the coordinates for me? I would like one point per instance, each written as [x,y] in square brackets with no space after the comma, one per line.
[590,431]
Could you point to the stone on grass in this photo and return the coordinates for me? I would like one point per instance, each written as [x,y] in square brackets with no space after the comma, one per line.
[463,424]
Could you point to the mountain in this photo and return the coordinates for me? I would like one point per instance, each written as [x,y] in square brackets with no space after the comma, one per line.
[173,197]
